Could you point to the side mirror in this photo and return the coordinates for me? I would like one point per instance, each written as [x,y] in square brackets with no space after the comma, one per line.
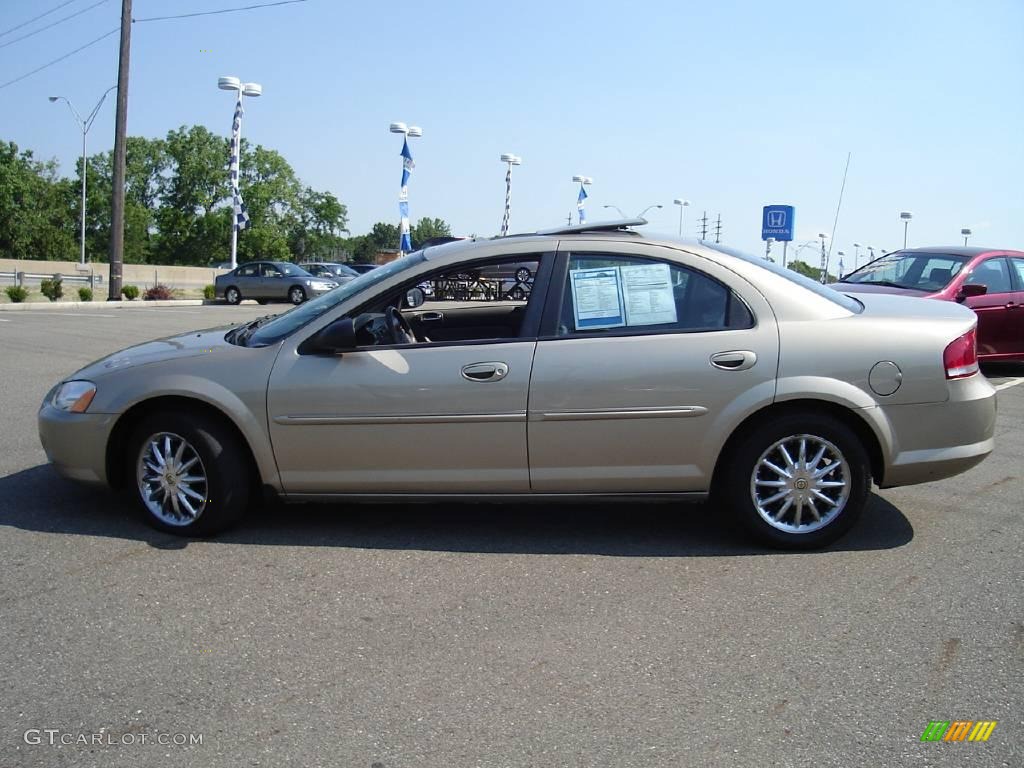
[339,336]
[971,289]
[414,297]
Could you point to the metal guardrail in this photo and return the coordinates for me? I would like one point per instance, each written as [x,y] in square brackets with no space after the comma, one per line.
[19,278]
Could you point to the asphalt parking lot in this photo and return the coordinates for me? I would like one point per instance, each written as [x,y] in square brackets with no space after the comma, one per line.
[389,636]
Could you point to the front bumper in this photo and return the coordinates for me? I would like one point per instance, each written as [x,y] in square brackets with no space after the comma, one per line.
[76,443]
[934,441]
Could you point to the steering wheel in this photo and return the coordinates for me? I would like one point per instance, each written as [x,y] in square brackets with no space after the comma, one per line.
[401,331]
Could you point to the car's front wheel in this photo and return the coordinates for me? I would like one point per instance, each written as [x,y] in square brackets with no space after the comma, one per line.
[799,481]
[296,295]
[191,474]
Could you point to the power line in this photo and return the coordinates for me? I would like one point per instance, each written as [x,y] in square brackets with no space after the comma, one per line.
[59,59]
[222,10]
[26,23]
[52,24]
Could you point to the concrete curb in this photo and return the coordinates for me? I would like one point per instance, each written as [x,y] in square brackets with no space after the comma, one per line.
[100,305]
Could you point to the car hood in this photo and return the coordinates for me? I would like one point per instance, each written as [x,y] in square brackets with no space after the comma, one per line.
[867,288]
[192,344]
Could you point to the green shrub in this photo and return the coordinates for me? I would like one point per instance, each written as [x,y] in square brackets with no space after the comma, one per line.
[209,292]
[130,292]
[16,293]
[85,294]
[158,293]
[53,289]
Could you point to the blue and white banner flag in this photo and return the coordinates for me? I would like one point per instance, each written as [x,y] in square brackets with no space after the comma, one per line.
[405,242]
[241,215]
[405,239]
[579,205]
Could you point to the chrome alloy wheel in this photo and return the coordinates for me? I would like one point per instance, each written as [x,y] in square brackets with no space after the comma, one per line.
[800,484]
[172,479]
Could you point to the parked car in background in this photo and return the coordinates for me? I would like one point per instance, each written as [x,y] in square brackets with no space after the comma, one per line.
[520,273]
[332,270]
[638,366]
[362,269]
[988,280]
[270,281]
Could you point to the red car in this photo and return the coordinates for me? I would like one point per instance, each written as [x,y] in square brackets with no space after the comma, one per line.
[988,280]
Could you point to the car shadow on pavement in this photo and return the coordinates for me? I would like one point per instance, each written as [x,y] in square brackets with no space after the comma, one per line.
[37,499]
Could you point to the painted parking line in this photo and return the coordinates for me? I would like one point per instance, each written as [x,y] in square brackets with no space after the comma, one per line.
[1010,383]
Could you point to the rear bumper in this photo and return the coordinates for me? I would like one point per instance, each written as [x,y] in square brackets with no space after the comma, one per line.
[76,443]
[938,440]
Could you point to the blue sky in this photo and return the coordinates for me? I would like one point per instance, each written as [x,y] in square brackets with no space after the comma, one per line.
[731,104]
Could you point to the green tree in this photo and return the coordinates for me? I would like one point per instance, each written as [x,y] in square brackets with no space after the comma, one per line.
[808,271]
[270,190]
[35,208]
[317,224]
[427,228]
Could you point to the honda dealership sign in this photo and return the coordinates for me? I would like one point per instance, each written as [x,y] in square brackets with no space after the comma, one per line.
[777,222]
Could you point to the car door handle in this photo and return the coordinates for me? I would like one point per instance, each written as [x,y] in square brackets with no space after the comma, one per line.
[734,360]
[485,371]
[430,317]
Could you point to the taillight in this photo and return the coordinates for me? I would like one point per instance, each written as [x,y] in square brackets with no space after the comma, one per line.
[961,356]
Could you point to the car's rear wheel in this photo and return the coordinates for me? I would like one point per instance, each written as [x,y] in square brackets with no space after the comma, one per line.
[191,474]
[233,296]
[296,295]
[522,274]
[799,481]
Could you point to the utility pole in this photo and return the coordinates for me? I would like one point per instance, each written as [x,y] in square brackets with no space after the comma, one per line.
[120,130]
[718,229]
[704,227]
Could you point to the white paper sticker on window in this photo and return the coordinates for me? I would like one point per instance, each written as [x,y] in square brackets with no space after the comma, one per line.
[647,290]
[597,298]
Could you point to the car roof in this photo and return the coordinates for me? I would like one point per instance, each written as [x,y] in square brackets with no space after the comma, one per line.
[957,250]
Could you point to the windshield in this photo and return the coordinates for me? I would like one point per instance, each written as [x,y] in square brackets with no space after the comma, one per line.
[803,281]
[911,270]
[286,324]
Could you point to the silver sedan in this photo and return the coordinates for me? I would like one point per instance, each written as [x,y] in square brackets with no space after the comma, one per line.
[636,366]
[271,281]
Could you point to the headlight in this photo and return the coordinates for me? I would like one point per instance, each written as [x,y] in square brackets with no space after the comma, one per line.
[74,396]
[319,285]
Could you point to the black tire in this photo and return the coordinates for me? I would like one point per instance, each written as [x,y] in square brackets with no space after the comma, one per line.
[523,274]
[222,461]
[232,295]
[296,294]
[261,301]
[845,461]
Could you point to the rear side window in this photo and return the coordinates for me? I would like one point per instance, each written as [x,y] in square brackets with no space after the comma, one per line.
[247,271]
[1018,265]
[994,273]
[608,293]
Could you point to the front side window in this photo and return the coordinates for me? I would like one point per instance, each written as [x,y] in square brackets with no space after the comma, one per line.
[993,273]
[604,293]
[269,270]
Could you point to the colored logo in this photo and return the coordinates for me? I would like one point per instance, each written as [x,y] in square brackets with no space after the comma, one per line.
[958,730]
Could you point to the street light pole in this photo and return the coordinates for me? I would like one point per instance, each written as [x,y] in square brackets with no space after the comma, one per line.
[966,233]
[856,254]
[85,125]
[241,89]
[511,160]
[824,258]
[645,210]
[683,204]
[616,208]
[906,216]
